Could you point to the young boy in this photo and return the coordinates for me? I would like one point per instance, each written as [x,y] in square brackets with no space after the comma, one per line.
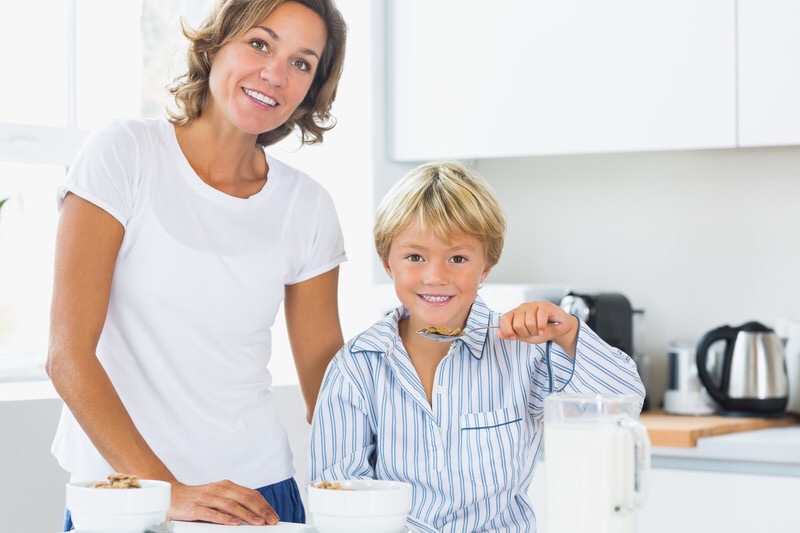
[461,421]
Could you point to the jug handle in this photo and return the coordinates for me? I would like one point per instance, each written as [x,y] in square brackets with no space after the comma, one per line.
[723,333]
[641,473]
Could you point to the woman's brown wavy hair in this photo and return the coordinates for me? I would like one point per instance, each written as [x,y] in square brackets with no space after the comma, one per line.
[230,19]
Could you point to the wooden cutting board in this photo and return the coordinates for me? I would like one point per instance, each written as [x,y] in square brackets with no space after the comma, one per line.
[682,431]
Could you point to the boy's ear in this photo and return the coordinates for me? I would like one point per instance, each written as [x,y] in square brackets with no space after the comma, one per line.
[485,273]
[387,268]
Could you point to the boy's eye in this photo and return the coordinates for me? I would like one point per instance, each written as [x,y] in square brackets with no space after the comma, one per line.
[414,258]
[458,259]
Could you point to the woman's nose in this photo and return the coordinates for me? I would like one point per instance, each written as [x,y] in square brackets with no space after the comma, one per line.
[274,71]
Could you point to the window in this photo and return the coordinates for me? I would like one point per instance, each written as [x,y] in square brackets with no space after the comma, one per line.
[27,222]
[69,66]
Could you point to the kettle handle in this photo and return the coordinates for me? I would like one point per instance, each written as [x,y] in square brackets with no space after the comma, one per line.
[723,333]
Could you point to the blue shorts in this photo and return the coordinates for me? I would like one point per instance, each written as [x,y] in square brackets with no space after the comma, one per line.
[283,496]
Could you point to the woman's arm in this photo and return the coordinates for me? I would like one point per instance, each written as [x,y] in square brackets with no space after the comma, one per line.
[87,243]
[315,332]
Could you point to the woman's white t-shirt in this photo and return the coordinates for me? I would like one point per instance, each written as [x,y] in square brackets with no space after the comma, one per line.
[198,281]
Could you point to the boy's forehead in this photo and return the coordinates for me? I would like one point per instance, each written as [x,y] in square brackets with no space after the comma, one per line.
[415,234]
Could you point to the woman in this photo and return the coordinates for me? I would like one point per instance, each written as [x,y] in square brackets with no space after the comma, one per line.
[177,242]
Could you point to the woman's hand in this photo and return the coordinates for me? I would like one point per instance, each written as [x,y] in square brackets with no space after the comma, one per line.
[529,323]
[223,502]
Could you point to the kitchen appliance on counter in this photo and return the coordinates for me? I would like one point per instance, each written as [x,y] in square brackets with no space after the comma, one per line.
[611,316]
[685,395]
[752,377]
[789,332]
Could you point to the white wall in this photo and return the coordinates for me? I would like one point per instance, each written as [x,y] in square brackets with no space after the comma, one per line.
[697,239]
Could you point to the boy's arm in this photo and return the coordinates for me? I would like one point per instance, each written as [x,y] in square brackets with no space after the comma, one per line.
[342,440]
[594,367]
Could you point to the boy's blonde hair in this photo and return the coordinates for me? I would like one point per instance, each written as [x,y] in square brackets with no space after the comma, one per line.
[444,197]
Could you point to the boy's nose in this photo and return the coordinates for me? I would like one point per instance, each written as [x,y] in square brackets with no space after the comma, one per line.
[435,275]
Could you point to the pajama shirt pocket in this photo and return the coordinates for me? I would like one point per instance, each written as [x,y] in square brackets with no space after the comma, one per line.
[490,446]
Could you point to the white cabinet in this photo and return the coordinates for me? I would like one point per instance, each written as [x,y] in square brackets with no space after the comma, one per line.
[769,72]
[701,502]
[693,501]
[477,79]
[31,481]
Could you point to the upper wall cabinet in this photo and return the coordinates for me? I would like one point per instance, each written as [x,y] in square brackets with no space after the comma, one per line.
[769,72]
[480,79]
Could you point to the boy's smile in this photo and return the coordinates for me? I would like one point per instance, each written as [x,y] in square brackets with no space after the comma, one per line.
[436,280]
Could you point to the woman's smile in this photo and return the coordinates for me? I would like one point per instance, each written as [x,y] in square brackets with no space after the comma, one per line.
[260,97]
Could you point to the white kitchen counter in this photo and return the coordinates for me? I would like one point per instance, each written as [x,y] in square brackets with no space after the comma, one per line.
[19,391]
[774,451]
[736,483]
[281,527]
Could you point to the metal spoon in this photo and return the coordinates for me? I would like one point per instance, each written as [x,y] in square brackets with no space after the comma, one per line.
[450,338]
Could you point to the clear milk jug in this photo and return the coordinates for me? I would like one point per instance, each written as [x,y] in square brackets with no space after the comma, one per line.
[597,463]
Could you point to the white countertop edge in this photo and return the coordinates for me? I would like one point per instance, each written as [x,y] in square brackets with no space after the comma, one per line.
[773,451]
[27,390]
[726,466]
[280,527]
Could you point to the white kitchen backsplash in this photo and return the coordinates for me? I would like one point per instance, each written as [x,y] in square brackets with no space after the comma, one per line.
[696,239]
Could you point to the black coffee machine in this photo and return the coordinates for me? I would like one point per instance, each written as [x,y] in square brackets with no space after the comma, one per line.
[609,314]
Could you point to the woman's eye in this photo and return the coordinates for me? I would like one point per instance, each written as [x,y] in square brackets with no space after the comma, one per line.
[258,44]
[302,65]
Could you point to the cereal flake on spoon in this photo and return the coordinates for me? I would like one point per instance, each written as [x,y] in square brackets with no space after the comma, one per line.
[441,330]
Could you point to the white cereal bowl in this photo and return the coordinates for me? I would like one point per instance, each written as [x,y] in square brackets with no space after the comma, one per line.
[363,506]
[105,510]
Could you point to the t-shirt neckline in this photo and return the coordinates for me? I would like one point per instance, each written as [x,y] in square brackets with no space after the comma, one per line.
[197,183]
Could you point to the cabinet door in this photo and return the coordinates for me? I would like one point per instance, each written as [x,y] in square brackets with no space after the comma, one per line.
[477,79]
[769,72]
[688,501]
[694,501]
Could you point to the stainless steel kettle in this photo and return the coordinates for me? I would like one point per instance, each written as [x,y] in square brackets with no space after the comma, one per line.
[752,377]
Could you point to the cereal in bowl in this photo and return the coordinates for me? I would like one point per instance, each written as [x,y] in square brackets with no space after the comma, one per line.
[119,481]
[335,485]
